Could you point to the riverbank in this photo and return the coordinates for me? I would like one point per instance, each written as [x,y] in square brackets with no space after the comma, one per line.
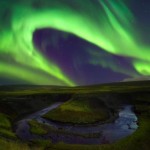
[81,109]
[15,101]
[35,127]
[138,140]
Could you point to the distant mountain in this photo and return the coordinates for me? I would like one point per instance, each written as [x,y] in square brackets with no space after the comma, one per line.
[143,78]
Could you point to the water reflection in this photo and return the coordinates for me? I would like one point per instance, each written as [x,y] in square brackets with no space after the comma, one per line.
[123,126]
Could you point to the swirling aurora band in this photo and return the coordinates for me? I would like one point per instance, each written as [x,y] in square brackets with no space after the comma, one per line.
[108,24]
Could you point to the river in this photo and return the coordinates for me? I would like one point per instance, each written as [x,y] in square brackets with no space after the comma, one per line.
[123,126]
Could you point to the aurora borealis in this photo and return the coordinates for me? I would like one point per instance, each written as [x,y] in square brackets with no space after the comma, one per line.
[104,37]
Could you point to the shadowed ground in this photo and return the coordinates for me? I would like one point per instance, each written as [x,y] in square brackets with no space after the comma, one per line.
[18,101]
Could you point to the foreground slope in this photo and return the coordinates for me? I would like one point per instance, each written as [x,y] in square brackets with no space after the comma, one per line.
[18,101]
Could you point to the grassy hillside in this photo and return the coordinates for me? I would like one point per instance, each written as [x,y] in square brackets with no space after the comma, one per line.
[80,109]
[82,105]
[19,90]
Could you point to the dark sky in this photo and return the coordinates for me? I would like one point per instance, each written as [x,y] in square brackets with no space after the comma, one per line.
[70,54]
[85,62]
[67,51]
[141,10]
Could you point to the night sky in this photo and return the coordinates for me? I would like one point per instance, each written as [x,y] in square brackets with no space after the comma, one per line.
[73,42]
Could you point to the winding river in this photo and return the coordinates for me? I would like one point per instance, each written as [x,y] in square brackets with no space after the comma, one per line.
[123,126]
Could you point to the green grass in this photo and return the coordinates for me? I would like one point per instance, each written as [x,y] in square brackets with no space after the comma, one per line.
[41,129]
[73,111]
[80,110]
[9,145]
[130,86]
[37,128]
[7,133]
[4,121]
[6,127]
[139,140]
[43,144]
[18,145]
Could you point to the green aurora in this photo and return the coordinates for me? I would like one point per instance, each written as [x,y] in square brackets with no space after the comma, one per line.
[108,24]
